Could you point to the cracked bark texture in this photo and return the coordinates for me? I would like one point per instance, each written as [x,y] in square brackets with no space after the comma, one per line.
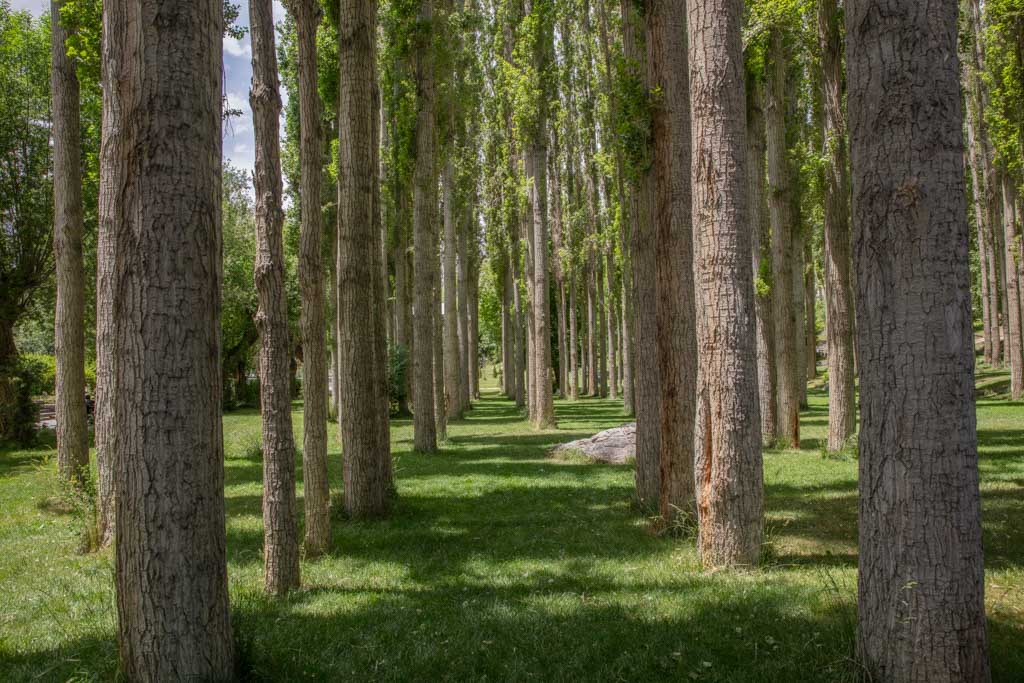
[839,333]
[761,258]
[667,72]
[780,202]
[68,226]
[647,396]
[315,485]
[280,525]
[113,169]
[1011,249]
[921,578]
[424,250]
[729,476]
[363,419]
[172,588]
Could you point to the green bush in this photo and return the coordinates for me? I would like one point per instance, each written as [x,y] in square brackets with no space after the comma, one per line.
[40,370]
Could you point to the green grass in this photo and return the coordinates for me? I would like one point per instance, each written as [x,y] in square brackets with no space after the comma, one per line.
[501,563]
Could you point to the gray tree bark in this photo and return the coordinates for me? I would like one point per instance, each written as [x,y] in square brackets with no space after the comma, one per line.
[839,333]
[729,479]
[171,569]
[921,578]
[280,529]
[363,417]
[645,228]
[1014,317]
[316,489]
[782,247]
[113,167]
[424,240]
[761,259]
[450,335]
[68,226]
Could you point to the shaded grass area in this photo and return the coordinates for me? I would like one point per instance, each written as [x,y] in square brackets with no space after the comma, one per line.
[502,563]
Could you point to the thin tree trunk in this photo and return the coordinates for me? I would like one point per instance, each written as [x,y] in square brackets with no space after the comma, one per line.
[464,314]
[980,216]
[171,563]
[450,331]
[113,169]
[729,479]
[474,327]
[646,225]
[280,528]
[839,333]
[761,259]
[507,331]
[668,72]
[921,610]
[810,316]
[440,399]
[780,203]
[574,372]
[68,226]
[1011,245]
[316,489]
[424,241]
[613,325]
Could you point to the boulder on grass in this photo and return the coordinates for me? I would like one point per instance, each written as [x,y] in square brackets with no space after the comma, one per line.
[614,446]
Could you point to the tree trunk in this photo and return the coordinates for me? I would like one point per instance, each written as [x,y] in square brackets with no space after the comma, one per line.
[316,489]
[574,372]
[971,113]
[507,333]
[113,167]
[728,440]
[450,331]
[1011,245]
[280,530]
[68,226]
[364,416]
[810,316]
[463,304]
[544,410]
[921,613]
[646,224]
[667,72]
[474,327]
[440,399]
[424,241]
[171,568]
[839,332]
[761,259]
[783,251]
[613,324]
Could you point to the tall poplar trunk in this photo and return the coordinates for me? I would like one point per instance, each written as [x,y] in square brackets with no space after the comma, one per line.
[782,247]
[450,331]
[280,528]
[473,290]
[462,286]
[839,332]
[363,417]
[667,72]
[544,410]
[440,400]
[810,330]
[921,610]
[424,241]
[574,372]
[729,476]
[171,563]
[507,331]
[613,324]
[1011,249]
[315,486]
[971,113]
[113,167]
[761,259]
[645,293]
[68,226]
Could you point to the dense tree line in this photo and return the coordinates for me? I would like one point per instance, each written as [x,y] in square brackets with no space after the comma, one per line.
[661,202]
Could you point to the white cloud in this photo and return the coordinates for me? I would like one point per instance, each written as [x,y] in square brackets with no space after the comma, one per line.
[237,48]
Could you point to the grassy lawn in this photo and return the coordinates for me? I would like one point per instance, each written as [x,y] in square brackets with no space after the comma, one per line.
[500,563]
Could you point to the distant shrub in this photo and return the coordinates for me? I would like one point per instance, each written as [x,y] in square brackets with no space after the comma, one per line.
[398,368]
[40,370]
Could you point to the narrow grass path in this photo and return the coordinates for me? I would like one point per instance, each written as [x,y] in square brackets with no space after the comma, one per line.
[500,563]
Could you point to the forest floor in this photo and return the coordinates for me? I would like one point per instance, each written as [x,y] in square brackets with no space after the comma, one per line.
[501,563]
